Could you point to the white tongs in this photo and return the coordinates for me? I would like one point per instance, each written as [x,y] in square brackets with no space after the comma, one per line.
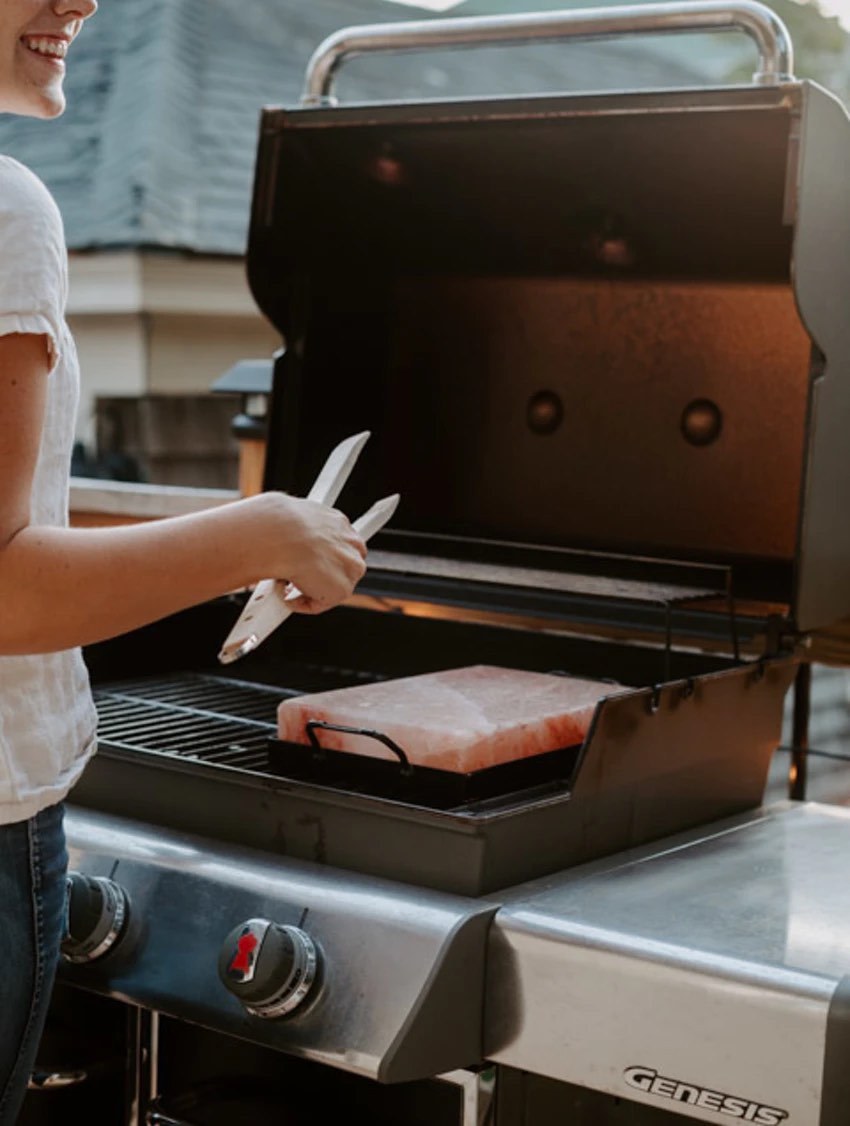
[269,605]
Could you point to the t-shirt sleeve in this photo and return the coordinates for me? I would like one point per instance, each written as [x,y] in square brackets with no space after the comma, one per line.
[33,259]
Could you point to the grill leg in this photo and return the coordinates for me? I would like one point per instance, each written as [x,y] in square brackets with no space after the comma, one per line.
[800,733]
[142,1037]
[478,1088]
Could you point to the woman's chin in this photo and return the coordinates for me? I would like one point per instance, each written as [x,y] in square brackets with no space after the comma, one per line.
[45,104]
[55,107]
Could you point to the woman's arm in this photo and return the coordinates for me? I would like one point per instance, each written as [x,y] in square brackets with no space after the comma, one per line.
[62,587]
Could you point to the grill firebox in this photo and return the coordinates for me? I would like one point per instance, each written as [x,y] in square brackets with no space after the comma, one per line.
[187,748]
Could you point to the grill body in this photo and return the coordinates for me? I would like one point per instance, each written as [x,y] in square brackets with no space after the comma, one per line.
[659,759]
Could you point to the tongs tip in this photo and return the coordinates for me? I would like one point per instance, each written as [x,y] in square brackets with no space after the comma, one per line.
[270,604]
[234,650]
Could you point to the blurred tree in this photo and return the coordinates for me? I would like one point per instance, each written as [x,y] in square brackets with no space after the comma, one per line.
[821,45]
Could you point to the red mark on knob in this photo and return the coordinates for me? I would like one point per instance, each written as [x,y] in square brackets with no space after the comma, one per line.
[245,947]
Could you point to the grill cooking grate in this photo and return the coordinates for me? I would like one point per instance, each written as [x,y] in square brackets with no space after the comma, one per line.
[204,718]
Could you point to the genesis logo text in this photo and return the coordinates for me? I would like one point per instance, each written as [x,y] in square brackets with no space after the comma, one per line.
[648,1080]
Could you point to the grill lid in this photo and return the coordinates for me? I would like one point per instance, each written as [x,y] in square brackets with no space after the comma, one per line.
[589,334]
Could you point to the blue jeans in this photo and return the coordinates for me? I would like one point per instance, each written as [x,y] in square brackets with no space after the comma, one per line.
[33,863]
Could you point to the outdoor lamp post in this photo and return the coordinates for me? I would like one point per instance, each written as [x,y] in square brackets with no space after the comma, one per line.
[252,380]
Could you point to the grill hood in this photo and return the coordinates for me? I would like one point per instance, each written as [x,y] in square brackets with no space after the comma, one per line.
[594,327]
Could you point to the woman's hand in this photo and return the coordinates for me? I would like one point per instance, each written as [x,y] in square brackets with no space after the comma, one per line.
[61,587]
[314,548]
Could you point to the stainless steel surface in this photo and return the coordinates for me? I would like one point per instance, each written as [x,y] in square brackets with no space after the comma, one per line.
[776,60]
[393,957]
[821,281]
[712,961]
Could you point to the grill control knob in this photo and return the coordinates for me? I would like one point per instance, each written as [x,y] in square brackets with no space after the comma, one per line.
[98,910]
[268,966]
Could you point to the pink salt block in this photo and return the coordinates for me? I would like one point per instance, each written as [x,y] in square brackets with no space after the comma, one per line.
[460,720]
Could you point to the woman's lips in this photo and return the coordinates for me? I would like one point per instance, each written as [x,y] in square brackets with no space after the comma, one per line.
[48,49]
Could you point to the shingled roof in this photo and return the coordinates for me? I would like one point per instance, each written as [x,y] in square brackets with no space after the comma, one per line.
[157,146]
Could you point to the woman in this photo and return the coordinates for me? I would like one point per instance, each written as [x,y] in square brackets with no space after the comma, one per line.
[61,588]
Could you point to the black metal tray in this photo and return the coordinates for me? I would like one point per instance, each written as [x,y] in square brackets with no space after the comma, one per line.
[396,778]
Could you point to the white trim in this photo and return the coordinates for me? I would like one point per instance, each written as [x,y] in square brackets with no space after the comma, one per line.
[430,5]
[119,498]
[104,283]
[132,281]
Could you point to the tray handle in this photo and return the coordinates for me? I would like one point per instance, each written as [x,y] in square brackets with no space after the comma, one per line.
[313,724]
[776,53]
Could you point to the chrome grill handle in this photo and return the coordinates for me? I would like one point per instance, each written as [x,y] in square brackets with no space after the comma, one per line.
[41,1080]
[776,53]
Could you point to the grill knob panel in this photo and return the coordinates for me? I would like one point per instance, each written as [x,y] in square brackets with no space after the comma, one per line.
[269,967]
[98,910]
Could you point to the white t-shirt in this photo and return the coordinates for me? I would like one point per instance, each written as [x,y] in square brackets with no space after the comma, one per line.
[47,717]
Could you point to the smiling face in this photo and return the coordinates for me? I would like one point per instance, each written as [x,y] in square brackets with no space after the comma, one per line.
[34,38]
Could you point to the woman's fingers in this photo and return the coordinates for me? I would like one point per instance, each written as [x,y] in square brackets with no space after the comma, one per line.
[320,554]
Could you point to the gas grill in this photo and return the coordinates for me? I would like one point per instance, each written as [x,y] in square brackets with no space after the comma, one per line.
[204,732]
[601,345]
